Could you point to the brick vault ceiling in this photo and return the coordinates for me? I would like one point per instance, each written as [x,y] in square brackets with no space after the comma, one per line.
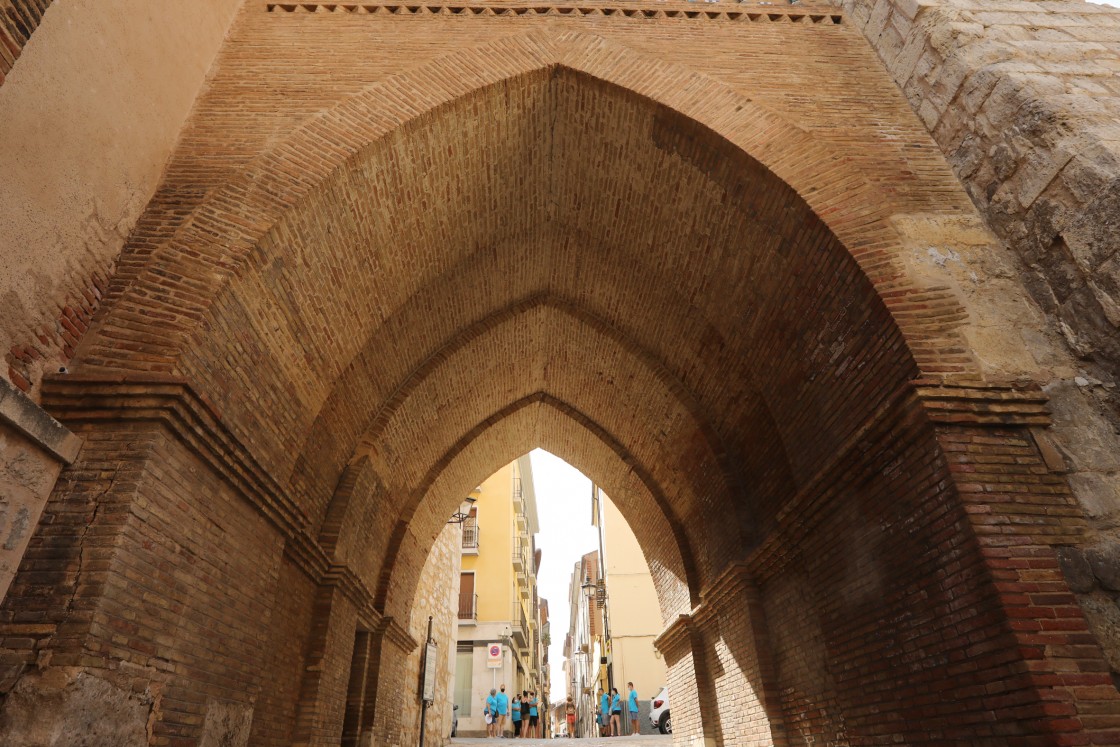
[560,245]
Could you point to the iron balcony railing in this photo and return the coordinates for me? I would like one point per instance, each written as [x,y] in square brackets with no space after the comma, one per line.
[521,626]
[468,607]
[470,534]
[520,556]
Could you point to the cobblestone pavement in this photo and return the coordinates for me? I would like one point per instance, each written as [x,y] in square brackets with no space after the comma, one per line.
[656,740]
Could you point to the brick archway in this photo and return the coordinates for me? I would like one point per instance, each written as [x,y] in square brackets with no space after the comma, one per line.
[309,333]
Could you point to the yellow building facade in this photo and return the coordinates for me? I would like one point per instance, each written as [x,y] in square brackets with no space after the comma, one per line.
[498,597]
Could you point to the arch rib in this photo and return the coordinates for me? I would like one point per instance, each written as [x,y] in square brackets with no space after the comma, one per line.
[684,548]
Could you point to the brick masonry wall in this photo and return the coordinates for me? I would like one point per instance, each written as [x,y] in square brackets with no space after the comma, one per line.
[65,568]
[845,673]
[18,21]
[689,680]
[144,596]
[285,653]
[736,645]
[664,258]
[888,536]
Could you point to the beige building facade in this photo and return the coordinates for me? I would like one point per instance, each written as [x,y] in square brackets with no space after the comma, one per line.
[613,622]
[635,619]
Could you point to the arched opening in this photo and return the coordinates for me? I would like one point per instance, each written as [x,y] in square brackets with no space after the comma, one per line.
[595,273]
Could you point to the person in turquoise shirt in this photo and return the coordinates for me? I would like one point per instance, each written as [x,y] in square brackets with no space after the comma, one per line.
[533,717]
[632,706]
[604,711]
[616,713]
[503,706]
[492,712]
[515,714]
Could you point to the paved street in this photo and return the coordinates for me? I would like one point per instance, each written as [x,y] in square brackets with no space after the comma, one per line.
[658,740]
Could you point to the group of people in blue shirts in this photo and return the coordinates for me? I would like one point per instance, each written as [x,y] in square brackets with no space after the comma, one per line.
[522,712]
[610,711]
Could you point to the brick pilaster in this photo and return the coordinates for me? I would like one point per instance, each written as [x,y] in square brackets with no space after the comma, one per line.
[323,691]
[1055,679]
[392,643]
[732,629]
[689,682]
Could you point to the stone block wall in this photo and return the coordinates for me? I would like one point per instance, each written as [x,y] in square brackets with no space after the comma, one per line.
[437,595]
[34,448]
[1023,97]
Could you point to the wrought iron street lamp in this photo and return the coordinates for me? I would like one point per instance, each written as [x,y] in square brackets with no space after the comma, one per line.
[459,516]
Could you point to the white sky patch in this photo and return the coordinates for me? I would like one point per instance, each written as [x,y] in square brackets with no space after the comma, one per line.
[1113,3]
[564,509]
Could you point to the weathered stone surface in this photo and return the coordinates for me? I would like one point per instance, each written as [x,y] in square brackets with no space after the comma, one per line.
[1077,570]
[33,449]
[1105,562]
[72,192]
[1103,614]
[226,725]
[55,710]
[1021,97]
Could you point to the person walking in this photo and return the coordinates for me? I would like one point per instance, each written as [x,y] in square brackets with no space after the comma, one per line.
[604,713]
[524,714]
[503,708]
[616,713]
[632,706]
[515,714]
[570,716]
[491,712]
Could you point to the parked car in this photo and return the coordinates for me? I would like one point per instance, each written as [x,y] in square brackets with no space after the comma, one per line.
[659,712]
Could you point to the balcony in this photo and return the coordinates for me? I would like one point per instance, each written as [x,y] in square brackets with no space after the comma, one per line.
[518,497]
[520,626]
[470,536]
[520,556]
[468,608]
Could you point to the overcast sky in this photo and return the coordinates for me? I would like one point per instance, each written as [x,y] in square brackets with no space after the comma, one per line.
[564,509]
